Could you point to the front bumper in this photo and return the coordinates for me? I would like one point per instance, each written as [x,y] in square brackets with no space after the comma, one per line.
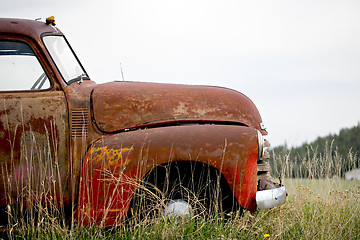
[269,194]
[270,198]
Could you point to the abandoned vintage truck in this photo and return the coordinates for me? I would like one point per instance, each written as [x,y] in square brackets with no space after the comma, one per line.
[106,152]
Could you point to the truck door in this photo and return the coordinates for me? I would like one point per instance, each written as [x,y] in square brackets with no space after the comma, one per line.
[33,127]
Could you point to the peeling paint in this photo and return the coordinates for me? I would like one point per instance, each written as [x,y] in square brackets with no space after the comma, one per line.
[222,147]
[144,104]
[110,159]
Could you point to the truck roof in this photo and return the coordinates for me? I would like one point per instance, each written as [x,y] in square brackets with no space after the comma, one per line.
[31,28]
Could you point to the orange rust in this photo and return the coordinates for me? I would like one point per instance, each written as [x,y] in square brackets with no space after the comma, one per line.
[233,149]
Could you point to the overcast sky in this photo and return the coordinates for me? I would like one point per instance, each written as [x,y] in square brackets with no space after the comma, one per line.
[297,60]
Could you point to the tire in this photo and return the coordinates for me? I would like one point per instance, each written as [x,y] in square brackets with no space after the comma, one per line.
[199,185]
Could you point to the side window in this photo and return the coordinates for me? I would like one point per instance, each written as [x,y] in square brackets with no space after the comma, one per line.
[20,69]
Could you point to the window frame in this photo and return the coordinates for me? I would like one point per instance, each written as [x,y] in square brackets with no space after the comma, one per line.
[37,54]
[72,51]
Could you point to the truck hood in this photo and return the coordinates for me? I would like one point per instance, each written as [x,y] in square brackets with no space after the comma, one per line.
[117,106]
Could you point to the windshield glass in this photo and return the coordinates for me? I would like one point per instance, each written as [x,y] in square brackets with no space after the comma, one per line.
[64,58]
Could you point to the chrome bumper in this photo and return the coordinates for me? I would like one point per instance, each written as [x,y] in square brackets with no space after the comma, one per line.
[270,198]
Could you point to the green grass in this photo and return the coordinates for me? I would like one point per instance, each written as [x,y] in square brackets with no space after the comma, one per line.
[315,209]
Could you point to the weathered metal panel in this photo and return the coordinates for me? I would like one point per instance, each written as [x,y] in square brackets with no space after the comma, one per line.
[24,27]
[114,165]
[122,105]
[33,147]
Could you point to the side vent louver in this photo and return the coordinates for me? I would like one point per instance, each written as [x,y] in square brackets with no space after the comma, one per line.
[79,122]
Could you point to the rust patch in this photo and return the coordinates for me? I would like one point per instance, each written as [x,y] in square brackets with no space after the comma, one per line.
[122,105]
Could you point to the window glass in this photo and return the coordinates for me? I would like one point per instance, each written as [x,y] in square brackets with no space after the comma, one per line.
[64,58]
[20,69]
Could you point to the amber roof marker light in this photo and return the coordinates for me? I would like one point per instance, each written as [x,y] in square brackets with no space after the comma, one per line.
[50,20]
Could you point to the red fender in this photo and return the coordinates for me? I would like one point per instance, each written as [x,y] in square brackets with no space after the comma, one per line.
[114,165]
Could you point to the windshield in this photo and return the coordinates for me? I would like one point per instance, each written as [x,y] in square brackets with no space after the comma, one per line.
[64,58]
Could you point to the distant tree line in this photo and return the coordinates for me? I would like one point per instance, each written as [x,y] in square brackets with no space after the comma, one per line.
[326,157]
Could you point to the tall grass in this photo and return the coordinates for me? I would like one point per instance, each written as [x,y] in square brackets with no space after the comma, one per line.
[32,187]
[314,164]
[319,206]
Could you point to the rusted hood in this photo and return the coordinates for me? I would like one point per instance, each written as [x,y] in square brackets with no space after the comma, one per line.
[125,105]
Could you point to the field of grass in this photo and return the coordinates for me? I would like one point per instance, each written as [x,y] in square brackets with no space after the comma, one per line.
[315,209]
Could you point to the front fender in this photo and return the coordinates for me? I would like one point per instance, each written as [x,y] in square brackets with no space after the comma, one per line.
[114,165]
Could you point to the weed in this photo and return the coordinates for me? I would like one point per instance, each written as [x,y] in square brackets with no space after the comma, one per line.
[318,207]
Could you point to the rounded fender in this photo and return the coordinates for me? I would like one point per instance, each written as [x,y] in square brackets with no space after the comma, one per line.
[114,165]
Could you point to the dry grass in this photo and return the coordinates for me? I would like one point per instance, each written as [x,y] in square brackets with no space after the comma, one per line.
[315,209]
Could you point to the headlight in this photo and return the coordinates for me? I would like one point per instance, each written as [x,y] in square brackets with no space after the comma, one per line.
[260,144]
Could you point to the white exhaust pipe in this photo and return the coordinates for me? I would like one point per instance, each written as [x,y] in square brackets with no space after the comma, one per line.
[270,198]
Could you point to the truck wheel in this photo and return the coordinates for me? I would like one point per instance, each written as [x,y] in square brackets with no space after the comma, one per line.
[184,189]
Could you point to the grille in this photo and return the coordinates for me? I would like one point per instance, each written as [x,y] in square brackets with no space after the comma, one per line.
[263,169]
[263,166]
[79,122]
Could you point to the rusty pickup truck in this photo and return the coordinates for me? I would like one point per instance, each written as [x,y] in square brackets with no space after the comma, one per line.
[109,152]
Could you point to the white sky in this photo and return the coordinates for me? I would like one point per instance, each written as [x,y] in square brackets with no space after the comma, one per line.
[297,60]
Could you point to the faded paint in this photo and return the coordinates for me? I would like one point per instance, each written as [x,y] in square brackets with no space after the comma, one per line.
[231,149]
[110,159]
[148,104]
[33,144]
[184,110]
